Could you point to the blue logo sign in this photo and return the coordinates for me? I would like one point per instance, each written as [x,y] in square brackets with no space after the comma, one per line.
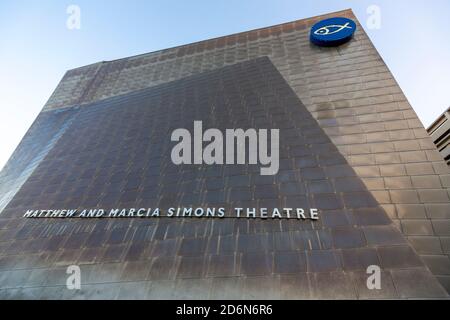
[332,32]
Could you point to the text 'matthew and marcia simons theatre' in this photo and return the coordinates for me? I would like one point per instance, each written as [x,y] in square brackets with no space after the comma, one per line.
[340,176]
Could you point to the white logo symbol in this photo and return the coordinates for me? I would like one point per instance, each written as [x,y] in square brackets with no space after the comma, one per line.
[325,31]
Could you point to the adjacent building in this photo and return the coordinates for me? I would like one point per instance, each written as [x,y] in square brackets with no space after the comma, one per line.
[439,131]
[350,145]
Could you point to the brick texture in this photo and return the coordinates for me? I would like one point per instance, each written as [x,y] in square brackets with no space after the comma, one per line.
[368,165]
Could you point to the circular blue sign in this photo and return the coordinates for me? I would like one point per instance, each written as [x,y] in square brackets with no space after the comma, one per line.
[332,32]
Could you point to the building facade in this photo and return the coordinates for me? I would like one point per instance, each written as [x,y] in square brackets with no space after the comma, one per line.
[350,145]
[439,131]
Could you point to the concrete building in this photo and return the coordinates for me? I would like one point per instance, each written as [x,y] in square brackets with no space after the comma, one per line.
[350,146]
[439,131]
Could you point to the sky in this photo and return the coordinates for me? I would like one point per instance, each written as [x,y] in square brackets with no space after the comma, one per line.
[37,47]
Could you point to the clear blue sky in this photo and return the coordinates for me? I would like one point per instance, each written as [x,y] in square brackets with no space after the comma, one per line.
[36,47]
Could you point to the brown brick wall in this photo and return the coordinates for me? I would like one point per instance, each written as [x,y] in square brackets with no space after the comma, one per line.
[349,90]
